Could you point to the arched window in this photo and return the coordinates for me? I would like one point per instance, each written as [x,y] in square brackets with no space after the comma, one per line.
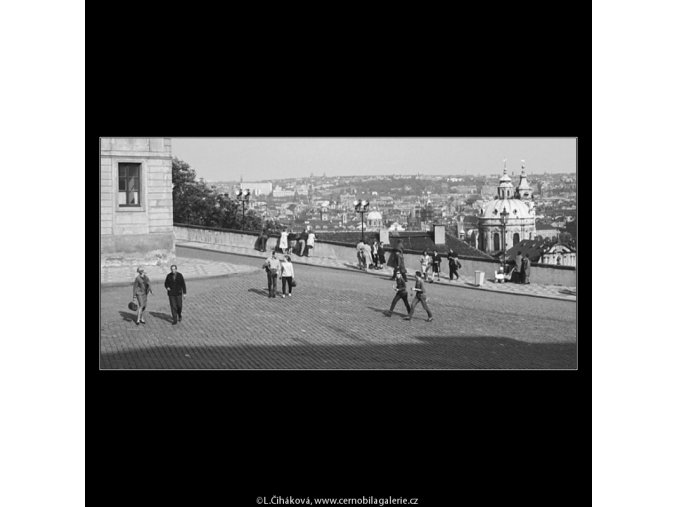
[497,241]
[515,239]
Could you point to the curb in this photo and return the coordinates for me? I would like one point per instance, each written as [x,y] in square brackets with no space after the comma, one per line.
[377,274]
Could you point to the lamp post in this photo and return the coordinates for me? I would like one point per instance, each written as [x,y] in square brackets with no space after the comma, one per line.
[361,207]
[243,197]
[504,223]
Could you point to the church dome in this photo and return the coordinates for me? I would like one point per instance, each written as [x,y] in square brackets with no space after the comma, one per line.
[374,215]
[516,208]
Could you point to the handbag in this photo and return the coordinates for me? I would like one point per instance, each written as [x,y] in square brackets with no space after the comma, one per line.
[293,282]
[132,306]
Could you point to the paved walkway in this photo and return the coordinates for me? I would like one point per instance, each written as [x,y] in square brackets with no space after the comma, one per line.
[532,289]
[191,268]
[334,320]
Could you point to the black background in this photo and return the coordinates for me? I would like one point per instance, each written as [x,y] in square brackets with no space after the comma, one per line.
[226,437]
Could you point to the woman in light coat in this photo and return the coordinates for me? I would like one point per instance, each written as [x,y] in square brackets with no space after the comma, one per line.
[426,266]
[140,290]
[284,245]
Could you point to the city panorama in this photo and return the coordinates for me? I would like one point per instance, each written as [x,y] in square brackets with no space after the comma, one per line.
[338,253]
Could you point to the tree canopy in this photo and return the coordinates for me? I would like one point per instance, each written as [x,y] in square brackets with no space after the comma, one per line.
[197,203]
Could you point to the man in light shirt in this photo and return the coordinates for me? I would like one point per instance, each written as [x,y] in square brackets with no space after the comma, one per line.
[272,267]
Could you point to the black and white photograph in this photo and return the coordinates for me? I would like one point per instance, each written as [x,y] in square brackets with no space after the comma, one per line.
[338,253]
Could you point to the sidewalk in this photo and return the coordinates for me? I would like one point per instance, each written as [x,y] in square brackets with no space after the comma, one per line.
[545,291]
[191,268]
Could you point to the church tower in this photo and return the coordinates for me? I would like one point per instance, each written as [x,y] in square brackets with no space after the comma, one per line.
[523,189]
[505,188]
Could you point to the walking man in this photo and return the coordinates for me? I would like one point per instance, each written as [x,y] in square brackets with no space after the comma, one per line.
[454,264]
[176,290]
[526,269]
[400,288]
[272,267]
[420,297]
[518,267]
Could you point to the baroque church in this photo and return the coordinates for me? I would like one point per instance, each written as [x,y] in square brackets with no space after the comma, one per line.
[520,220]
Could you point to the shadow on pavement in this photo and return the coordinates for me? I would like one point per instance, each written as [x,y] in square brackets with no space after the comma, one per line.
[384,311]
[568,292]
[447,352]
[162,316]
[260,292]
[128,317]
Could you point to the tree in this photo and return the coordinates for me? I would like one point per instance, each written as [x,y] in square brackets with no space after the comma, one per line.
[196,203]
[470,200]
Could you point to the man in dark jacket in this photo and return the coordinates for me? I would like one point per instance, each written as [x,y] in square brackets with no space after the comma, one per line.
[396,261]
[526,269]
[176,290]
[401,293]
[381,254]
[518,267]
[420,297]
[454,264]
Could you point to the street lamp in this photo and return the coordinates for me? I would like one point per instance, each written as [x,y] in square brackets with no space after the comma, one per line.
[243,196]
[504,222]
[361,207]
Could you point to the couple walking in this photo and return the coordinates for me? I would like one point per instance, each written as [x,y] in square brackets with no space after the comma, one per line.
[522,268]
[282,268]
[400,288]
[176,290]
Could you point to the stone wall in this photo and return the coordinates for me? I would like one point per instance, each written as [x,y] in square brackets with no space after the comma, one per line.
[548,275]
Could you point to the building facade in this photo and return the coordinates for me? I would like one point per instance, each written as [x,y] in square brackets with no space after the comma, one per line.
[560,255]
[258,188]
[136,207]
[374,221]
[520,220]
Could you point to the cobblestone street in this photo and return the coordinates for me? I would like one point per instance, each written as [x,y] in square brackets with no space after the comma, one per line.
[335,319]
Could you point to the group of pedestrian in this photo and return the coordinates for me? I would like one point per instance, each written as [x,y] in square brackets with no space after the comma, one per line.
[301,245]
[176,291]
[370,256]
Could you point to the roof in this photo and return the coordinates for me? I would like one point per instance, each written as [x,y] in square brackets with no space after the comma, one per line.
[421,240]
[414,240]
[561,248]
[534,247]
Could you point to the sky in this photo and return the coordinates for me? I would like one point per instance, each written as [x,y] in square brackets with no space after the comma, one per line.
[256,159]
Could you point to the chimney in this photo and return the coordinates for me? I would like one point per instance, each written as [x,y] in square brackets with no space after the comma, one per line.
[439,235]
[461,232]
